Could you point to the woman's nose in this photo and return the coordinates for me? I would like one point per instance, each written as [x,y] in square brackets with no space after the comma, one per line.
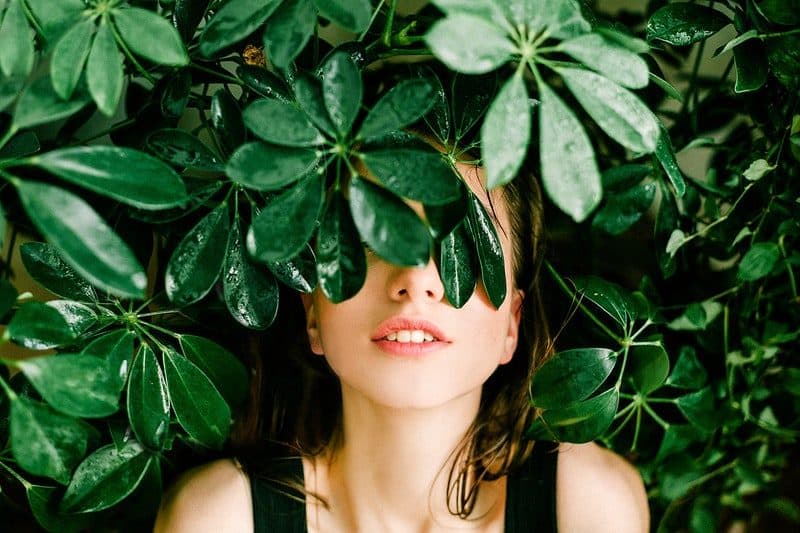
[419,284]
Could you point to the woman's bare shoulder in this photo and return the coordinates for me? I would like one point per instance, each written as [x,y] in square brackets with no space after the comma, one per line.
[213,498]
[599,491]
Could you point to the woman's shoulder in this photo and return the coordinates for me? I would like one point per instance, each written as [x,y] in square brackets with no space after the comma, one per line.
[597,490]
[213,497]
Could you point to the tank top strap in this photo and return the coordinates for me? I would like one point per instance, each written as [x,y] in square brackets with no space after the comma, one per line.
[531,492]
[277,507]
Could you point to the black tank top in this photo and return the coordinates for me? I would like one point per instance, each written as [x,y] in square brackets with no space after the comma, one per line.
[530,496]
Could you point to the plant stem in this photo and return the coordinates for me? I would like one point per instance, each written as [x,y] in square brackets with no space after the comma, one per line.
[371,21]
[32,19]
[112,129]
[779,34]
[226,77]
[661,422]
[7,388]
[128,54]
[386,37]
[638,426]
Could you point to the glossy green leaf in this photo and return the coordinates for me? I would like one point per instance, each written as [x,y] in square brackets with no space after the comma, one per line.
[569,170]
[609,297]
[233,22]
[352,15]
[689,372]
[667,87]
[759,261]
[571,376]
[226,119]
[124,174]
[388,225]
[458,265]
[469,44]
[341,90]
[489,249]
[666,156]
[621,114]
[506,133]
[623,177]
[201,411]
[85,241]
[288,31]
[250,291]
[106,477]
[147,400]
[402,105]
[623,210]
[225,371]
[176,94]
[39,104]
[341,263]
[104,70]
[442,219]
[620,35]
[285,225]
[20,145]
[648,366]
[38,326]
[752,66]
[151,36]
[116,348]
[45,442]
[583,421]
[400,171]
[46,266]
[438,119]
[69,58]
[682,24]
[281,123]
[308,91]
[298,272]
[184,150]
[79,317]
[74,384]
[197,261]
[16,41]
[698,408]
[613,61]
[264,82]
[266,167]
[187,16]
[8,297]
[470,98]
[44,507]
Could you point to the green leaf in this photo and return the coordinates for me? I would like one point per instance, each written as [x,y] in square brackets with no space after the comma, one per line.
[697,316]
[752,66]
[623,210]
[569,170]
[55,18]
[196,263]
[506,133]
[116,348]
[469,44]
[79,317]
[665,154]
[187,15]
[201,411]
[580,422]
[678,438]
[352,15]
[288,31]
[618,111]
[46,266]
[39,104]
[784,59]
[250,291]
[563,18]
[682,24]
[267,167]
[233,22]
[438,119]
[613,61]
[308,91]
[84,239]
[285,225]
[147,400]
[667,87]
[69,58]
[341,90]
[403,104]
[298,272]
[341,263]
[106,477]
[16,42]
[758,169]
[20,145]
[609,297]
[648,366]
[571,376]
[470,98]
[124,174]
[44,507]
[184,150]
[150,36]
[10,88]
[785,12]
[38,326]
[226,119]
[458,265]
[442,219]
[176,93]
[759,261]
[104,70]
[225,371]
[264,82]
[281,123]
[388,225]
[74,384]
[45,442]
[689,372]
[399,170]
[489,249]
[698,408]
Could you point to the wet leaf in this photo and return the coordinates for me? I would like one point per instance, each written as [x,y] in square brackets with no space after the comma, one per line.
[298,272]
[613,61]
[46,266]
[183,150]
[281,123]
[147,400]
[505,134]
[453,40]
[225,371]
[116,348]
[38,326]
[267,167]
[399,170]
[308,91]
[187,15]
[402,105]
[341,263]
[79,317]
[470,98]
[623,210]
[458,265]
[104,70]
[288,30]
[226,119]
[442,219]
[609,297]
[233,22]
[438,118]
[666,156]
[341,90]
[571,376]
[150,36]
[682,24]
[264,82]
[489,249]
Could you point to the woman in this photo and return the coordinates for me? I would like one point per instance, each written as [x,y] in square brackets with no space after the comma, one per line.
[425,430]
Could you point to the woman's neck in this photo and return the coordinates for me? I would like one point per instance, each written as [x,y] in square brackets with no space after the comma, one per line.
[391,471]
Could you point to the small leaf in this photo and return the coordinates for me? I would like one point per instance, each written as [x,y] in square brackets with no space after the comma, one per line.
[16,41]
[281,123]
[688,373]
[341,263]
[698,408]
[399,170]
[571,376]
[298,272]
[288,30]
[581,422]
[489,249]
[225,371]
[615,62]
[69,58]
[505,133]
[341,90]
[267,167]
[458,265]
[469,44]
[196,263]
[183,150]
[682,24]
[759,261]
[233,22]
[201,411]
[609,297]
[676,239]
[623,210]
[402,105]
[352,15]
[46,266]
[39,104]
[666,156]
[104,70]
[648,366]
[697,316]
[147,400]
[758,169]
[116,348]
[38,326]
[677,438]
[150,36]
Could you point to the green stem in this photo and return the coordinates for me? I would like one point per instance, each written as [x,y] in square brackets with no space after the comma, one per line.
[386,37]
[621,426]
[226,77]
[779,34]
[152,338]
[128,54]
[721,219]
[32,19]
[792,281]
[160,329]
[637,427]
[691,90]
[10,252]
[371,21]
[24,482]
[625,409]
[647,324]
[405,52]
[661,422]
[7,388]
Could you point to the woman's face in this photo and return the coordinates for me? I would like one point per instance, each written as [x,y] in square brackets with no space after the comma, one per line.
[372,341]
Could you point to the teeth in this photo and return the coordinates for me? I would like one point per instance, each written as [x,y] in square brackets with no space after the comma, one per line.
[415,336]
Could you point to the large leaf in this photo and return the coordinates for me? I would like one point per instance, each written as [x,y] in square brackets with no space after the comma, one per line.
[281,123]
[683,23]
[341,263]
[236,20]
[200,409]
[648,366]
[490,251]
[106,477]
[352,15]
[183,150]
[250,291]
[16,41]
[288,30]
[267,167]
[149,35]
[84,239]
[116,348]
[458,265]
[469,44]
[46,266]
[615,62]
[388,225]
[571,376]
[147,400]
[69,58]
[225,371]
[579,422]
[506,133]
[39,104]
[341,90]
[474,94]
[104,70]
[403,104]
[421,175]
[569,170]
[196,263]
[79,317]
[124,174]
[75,384]
[38,326]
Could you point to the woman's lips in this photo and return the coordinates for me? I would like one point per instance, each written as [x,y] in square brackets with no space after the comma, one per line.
[409,336]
